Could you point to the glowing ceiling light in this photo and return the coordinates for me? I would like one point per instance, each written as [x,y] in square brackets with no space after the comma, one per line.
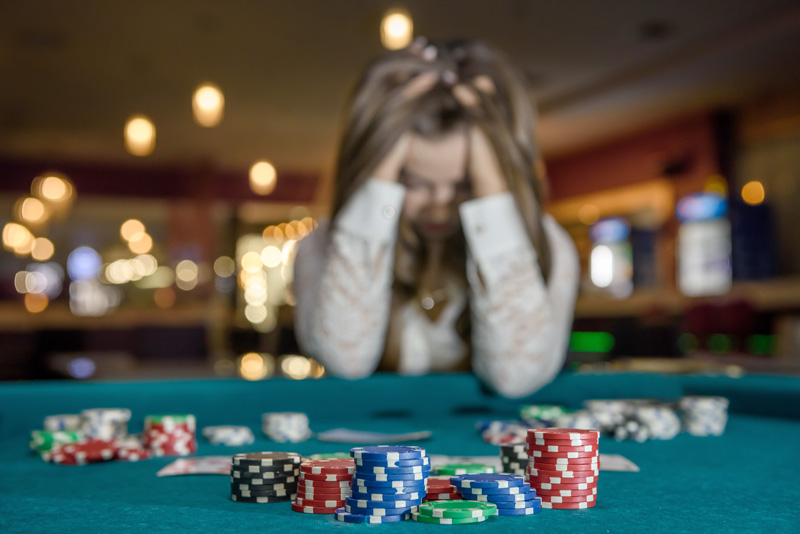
[397,29]
[263,177]
[208,105]
[140,135]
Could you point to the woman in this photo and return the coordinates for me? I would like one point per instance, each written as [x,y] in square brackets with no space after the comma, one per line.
[439,254]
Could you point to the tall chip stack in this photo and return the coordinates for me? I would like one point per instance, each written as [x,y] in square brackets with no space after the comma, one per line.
[323,485]
[170,435]
[264,477]
[514,458]
[563,466]
[704,416]
[388,484]
[510,494]
[70,422]
[285,427]
[105,423]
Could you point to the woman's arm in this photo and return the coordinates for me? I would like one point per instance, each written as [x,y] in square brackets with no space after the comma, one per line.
[343,279]
[520,324]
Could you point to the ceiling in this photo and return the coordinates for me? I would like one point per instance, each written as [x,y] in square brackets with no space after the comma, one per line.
[72,72]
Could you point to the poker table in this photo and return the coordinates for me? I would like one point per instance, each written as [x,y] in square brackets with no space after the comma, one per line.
[743,481]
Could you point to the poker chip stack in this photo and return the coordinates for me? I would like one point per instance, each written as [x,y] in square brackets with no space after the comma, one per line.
[45,440]
[105,423]
[704,416]
[83,452]
[232,436]
[439,488]
[538,415]
[500,432]
[323,485]
[264,477]
[454,512]
[514,458]
[511,494]
[388,484]
[131,449]
[286,426]
[563,466]
[70,422]
[170,435]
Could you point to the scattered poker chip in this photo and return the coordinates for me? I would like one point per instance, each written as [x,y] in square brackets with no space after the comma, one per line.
[261,500]
[378,511]
[463,469]
[421,518]
[458,509]
[368,503]
[342,515]
[497,497]
[387,452]
[387,497]
[313,509]
[566,492]
[519,511]
[46,440]
[487,480]
[564,433]
[286,426]
[414,462]
[558,499]
[170,434]
[83,452]
[341,466]
[265,459]
[329,455]
[567,505]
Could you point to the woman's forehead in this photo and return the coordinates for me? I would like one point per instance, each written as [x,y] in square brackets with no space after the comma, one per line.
[440,158]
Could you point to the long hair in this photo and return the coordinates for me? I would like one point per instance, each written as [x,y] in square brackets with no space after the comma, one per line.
[380,111]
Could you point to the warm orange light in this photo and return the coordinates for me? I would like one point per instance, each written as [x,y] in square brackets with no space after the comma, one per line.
[753,193]
[164,297]
[43,249]
[263,177]
[141,243]
[36,302]
[130,228]
[397,29]
[208,105]
[140,135]
[588,214]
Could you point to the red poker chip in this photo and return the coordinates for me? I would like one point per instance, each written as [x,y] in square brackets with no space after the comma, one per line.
[568,505]
[562,458]
[83,452]
[535,481]
[327,478]
[342,466]
[133,454]
[322,484]
[318,489]
[532,473]
[309,493]
[325,503]
[563,433]
[549,486]
[556,449]
[592,469]
[313,509]
[562,443]
[566,492]
[560,464]
[555,499]
[443,496]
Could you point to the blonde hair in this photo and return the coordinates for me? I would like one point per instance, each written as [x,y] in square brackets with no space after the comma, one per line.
[473,85]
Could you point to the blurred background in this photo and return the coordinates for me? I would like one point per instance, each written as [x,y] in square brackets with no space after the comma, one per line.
[160,160]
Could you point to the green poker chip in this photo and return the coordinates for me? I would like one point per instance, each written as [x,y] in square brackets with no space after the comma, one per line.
[457,509]
[463,469]
[330,456]
[421,518]
[542,412]
[44,440]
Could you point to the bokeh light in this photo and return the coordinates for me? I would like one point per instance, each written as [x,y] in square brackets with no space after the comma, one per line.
[140,135]
[84,263]
[36,302]
[43,249]
[131,228]
[224,266]
[141,243]
[397,29]
[208,105]
[753,193]
[263,177]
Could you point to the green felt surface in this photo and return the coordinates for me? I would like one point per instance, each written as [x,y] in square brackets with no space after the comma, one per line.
[744,481]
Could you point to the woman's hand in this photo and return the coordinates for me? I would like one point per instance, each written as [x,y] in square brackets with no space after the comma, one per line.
[388,170]
[482,166]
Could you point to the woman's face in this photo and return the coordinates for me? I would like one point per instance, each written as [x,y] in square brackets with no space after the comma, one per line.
[435,176]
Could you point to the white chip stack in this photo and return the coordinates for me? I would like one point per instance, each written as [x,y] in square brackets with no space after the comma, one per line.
[232,436]
[704,416]
[105,423]
[286,426]
[70,422]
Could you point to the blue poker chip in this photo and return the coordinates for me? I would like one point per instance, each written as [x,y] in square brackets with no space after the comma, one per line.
[498,497]
[408,486]
[487,480]
[386,477]
[536,502]
[520,511]
[363,503]
[387,452]
[387,497]
[525,488]
[424,461]
[409,470]
[342,515]
[386,490]
[380,511]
